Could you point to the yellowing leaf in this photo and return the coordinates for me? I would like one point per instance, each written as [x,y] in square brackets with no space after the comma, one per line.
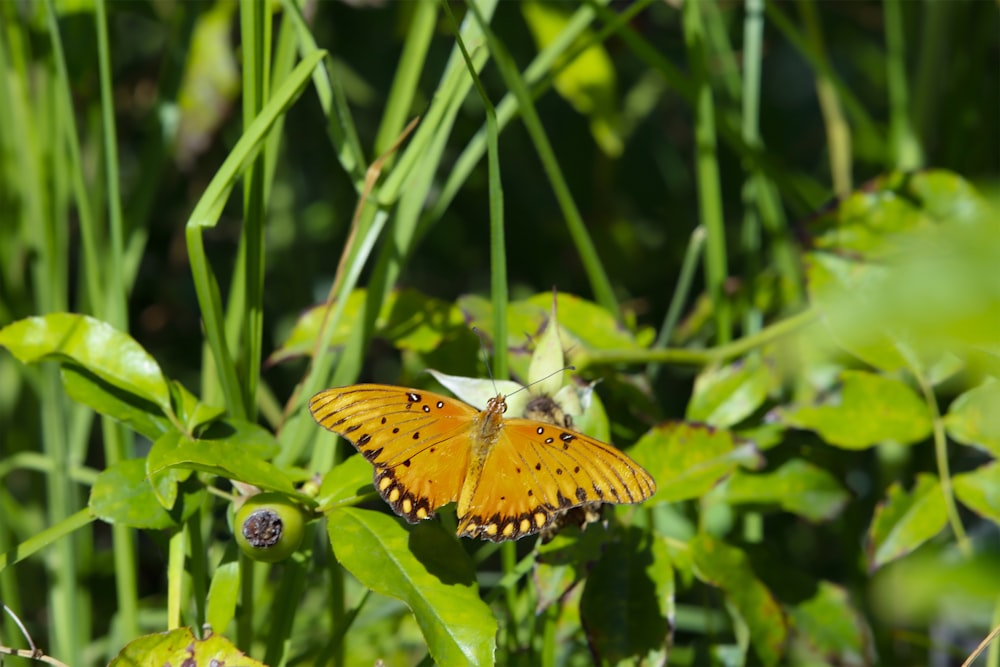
[181,647]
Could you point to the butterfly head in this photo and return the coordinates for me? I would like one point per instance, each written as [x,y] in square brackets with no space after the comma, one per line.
[496,405]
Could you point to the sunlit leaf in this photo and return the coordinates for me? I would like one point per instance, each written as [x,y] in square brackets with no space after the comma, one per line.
[687,460]
[905,520]
[96,346]
[181,647]
[871,409]
[589,82]
[232,449]
[408,319]
[726,395]
[845,291]
[349,479]
[428,570]
[974,418]
[979,490]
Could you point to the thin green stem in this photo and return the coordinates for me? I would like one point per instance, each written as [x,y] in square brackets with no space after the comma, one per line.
[255,19]
[682,291]
[540,75]
[498,246]
[753,28]
[176,553]
[51,535]
[599,281]
[906,152]
[940,449]
[707,166]
[405,84]
[587,359]
[113,306]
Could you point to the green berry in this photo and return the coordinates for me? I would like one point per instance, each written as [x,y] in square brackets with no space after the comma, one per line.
[269,527]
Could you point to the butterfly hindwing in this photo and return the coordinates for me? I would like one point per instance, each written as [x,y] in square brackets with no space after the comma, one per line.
[416,440]
[537,470]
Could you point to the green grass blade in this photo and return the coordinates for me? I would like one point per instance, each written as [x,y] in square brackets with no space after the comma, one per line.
[207,212]
[709,187]
[599,281]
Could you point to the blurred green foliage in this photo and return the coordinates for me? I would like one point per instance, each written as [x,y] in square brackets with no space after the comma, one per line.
[807,365]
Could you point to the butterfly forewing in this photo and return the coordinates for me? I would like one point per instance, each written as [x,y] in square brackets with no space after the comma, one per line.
[416,440]
[537,470]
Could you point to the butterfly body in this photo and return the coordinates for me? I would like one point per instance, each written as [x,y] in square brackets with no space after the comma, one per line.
[508,476]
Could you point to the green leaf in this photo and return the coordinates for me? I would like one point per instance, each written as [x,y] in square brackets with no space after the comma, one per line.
[584,323]
[138,414]
[192,412]
[728,569]
[626,599]
[122,495]
[868,222]
[846,292]
[114,357]
[224,591]
[827,629]
[938,579]
[872,409]
[231,448]
[524,320]
[428,570]
[348,480]
[726,395]
[588,82]
[974,418]
[979,490]
[547,359]
[408,319]
[687,460]
[904,521]
[797,486]
[181,647]
[211,82]
[947,197]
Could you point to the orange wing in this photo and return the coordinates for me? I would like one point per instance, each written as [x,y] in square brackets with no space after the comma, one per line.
[535,470]
[418,441]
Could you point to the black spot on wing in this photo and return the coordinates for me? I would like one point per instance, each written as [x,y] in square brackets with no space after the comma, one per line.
[363,440]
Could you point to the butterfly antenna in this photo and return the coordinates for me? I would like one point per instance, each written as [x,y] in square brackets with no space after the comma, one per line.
[486,358]
[532,384]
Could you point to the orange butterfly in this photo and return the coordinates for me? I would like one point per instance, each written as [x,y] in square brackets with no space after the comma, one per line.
[510,477]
